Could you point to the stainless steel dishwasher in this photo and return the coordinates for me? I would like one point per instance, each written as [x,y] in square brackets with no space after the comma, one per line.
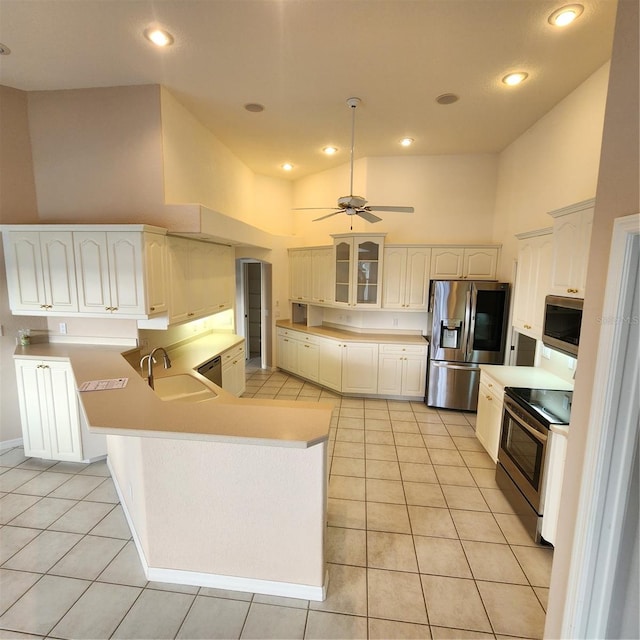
[212,370]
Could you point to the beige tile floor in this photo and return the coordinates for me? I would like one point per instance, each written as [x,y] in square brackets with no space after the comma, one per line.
[420,543]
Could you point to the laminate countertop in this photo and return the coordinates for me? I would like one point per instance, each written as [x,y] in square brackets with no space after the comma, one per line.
[136,410]
[529,377]
[334,333]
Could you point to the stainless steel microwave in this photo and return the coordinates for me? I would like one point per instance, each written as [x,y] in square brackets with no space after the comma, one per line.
[562,322]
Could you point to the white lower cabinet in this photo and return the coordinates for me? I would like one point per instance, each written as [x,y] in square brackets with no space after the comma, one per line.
[233,370]
[359,367]
[308,359]
[489,417]
[402,370]
[330,364]
[50,415]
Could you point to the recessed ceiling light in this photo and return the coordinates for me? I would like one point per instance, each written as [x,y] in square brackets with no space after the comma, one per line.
[287,166]
[406,142]
[159,37]
[512,79]
[4,50]
[330,150]
[565,15]
[447,98]
[254,107]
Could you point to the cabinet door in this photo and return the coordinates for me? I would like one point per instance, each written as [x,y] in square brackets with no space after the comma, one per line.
[126,273]
[25,280]
[58,267]
[390,368]
[92,271]
[330,364]
[414,376]
[178,279]
[322,274]
[224,277]
[416,290]
[446,263]
[489,420]
[524,287]
[308,360]
[300,274]
[155,258]
[367,274]
[359,368]
[32,400]
[343,254]
[541,282]
[394,277]
[480,264]
[287,353]
[571,240]
[63,414]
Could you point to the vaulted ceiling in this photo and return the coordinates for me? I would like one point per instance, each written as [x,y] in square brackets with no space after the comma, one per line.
[302,59]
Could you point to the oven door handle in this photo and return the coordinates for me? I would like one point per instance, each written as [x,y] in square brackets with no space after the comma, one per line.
[540,437]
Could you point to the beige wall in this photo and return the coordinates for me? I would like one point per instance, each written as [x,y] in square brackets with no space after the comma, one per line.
[17,204]
[617,195]
[453,198]
[97,154]
[551,165]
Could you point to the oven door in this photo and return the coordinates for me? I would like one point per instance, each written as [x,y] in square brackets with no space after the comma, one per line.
[523,445]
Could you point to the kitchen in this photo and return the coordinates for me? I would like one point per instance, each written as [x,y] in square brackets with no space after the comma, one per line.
[477,174]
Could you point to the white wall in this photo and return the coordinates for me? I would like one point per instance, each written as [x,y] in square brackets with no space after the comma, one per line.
[551,165]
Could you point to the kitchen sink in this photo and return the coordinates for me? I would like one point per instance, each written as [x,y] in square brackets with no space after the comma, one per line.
[183,388]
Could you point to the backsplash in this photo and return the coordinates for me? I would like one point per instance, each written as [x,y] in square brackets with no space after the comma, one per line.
[553,361]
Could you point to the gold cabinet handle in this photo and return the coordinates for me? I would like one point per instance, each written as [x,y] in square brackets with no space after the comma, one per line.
[152,308]
[220,306]
[489,397]
[572,290]
[190,314]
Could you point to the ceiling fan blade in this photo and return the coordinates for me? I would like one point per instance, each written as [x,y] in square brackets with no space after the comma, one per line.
[316,209]
[335,213]
[369,217]
[396,209]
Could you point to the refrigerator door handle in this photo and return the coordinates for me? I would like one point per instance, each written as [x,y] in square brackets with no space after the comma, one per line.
[467,324]
[448,365]
[472,303]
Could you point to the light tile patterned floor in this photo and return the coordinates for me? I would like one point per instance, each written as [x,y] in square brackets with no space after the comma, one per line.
[421,543]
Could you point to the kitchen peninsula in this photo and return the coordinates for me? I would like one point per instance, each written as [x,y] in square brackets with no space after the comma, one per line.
[226,492]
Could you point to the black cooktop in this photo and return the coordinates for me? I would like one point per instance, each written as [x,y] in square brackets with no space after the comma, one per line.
[551,406]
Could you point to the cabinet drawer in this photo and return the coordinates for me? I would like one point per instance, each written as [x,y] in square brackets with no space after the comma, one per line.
[491,385]
[233,353]
[407,349]
[298,335]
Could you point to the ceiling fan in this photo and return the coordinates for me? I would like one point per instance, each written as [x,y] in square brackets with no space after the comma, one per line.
[355,205]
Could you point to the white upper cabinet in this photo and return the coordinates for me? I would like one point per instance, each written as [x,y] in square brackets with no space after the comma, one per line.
[40,272]
[532,281]
[457,263]
[322,282]
[358,263]
[405,282]
[300,281]
[571,240]
[111,273]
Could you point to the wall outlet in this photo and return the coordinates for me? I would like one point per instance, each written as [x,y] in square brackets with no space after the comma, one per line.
[395,322]
[63,327]
[546,353]
[571,364]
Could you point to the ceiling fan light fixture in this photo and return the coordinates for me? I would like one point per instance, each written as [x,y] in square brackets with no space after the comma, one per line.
[407,142]
[330,150]
[254,107]
[159,37]
[565,15]
[515,78]
[287,166]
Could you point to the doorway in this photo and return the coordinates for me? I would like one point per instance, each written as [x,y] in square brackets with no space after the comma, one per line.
[253,303]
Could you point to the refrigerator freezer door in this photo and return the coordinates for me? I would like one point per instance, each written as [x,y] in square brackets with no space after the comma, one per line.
[451,309]
[453,385]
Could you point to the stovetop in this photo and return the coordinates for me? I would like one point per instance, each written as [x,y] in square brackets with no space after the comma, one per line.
[551,406]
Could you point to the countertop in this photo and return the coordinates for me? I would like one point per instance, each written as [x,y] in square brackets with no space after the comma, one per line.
[353,336]
[137,411]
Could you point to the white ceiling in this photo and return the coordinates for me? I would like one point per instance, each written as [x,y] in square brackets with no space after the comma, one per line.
[303,58]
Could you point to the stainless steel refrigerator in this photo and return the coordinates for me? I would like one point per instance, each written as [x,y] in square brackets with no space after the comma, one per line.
[469,327]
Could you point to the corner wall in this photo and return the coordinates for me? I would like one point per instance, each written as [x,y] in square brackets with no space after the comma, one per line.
[618,194]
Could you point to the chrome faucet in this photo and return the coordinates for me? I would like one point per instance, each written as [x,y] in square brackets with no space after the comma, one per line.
[151,362]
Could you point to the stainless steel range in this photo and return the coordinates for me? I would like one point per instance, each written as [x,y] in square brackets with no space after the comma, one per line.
[526,452]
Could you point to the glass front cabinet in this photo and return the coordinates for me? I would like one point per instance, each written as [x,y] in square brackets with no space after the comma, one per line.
[358,269]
